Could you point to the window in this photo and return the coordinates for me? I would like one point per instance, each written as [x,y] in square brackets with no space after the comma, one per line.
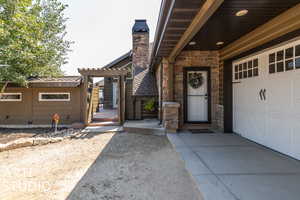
[297,57]
[246,69]
[11,97]
[54,96]
[285,60]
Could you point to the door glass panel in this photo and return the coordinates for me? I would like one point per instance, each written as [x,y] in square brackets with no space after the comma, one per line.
[272,58]
[280,55]
[240,67]
[255,72]
[272,68]
[236,76]
[255,63]
[297,63]
[245,66]
[236,68]
[250,73]
[289,53]
[245,74]
[250,64]
[280,67]
[240,75]
[289,64]
[297,50]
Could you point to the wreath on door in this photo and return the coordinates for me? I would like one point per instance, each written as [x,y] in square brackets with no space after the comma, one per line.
[195,80]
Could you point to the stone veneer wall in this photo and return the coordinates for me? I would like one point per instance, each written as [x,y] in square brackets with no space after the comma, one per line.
[140,49]
[199,59]
[158,85]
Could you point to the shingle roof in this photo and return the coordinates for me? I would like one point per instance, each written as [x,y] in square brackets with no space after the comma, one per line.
[144,82]
[119,59]
[63,81]
[55,79]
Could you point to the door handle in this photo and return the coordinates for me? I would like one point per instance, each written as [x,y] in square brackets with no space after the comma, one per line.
[260,94]
[264,94]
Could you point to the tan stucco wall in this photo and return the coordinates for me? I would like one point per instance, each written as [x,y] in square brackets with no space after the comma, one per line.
[30,109]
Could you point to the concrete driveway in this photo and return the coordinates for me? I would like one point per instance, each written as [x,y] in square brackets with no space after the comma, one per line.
[229,167]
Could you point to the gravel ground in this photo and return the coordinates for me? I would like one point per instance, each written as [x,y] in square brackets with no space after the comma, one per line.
[104,166]
[8,135]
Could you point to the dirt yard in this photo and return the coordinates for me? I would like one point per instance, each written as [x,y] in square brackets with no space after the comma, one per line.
[105,167]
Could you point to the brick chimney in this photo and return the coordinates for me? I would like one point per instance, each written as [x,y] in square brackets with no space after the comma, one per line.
[140,44]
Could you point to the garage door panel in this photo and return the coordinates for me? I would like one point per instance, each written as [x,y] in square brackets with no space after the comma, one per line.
[278,134]
[295,140]
[273,121]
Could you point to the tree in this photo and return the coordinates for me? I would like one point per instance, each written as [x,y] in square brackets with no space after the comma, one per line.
[32,40]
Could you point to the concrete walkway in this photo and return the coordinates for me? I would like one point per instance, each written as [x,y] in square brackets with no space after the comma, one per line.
[228,167]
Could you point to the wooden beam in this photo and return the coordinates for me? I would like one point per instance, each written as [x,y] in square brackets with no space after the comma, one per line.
[93,72]
[206,11]
[185,10]
[282,24]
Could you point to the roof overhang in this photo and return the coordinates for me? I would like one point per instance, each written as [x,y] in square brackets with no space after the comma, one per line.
[178,22]
[212,21]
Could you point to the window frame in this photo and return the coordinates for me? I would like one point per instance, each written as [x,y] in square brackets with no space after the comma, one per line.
[56,93]
[241,69]
[296,57]
[284,60]
[12,100]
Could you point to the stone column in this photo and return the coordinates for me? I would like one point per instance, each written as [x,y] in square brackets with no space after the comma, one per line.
[171,116]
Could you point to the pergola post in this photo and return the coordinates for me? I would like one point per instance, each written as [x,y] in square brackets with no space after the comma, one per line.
[85,100]
[121,106]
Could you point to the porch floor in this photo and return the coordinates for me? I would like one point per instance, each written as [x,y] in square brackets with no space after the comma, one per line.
[106,114]
[229,167]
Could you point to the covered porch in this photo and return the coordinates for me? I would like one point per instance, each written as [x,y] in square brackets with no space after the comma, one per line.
[195,45]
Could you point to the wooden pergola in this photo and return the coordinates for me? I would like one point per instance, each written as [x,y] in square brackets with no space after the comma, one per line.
[89,73]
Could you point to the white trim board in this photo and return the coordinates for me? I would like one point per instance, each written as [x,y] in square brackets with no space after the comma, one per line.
[42,93]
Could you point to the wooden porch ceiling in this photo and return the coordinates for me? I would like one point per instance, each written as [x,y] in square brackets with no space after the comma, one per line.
[222,25]
[225,27]
[175,17]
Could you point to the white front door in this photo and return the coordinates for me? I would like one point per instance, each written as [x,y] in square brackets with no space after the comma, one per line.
[197,96]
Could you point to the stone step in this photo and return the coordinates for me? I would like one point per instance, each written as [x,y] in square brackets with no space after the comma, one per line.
[105,119]
[108,123]
[102,129]
[146,131]
[149,127]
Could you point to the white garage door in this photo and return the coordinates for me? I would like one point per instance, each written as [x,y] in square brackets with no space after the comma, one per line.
[266,98]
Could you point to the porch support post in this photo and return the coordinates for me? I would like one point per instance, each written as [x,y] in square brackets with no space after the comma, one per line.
[85,100]
[228,98]
[167,80]
[121,97]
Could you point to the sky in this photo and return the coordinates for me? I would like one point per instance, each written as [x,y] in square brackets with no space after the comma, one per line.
[101,29]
